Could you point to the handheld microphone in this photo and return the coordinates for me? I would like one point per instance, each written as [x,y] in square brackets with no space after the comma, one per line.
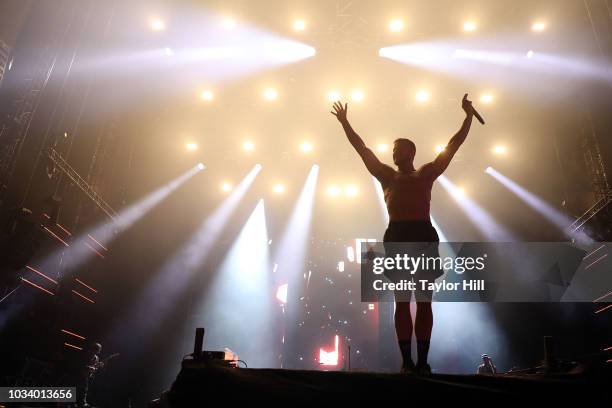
[464,100]
[477,115]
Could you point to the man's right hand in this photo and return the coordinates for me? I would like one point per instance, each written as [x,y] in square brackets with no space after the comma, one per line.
[466,105]
[339,111]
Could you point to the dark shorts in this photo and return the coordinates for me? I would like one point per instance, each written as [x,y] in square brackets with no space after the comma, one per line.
[425,240]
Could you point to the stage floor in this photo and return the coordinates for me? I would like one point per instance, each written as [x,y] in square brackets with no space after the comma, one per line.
[196,386]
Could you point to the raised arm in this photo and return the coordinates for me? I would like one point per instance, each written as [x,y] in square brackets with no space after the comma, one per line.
[441,162]
[376,168]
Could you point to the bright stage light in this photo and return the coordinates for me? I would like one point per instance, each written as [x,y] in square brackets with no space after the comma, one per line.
[101,236]
[350,253]
[333,96]
[270,94]
[217,53]
[538,26]
[191,146]
[382,147]
[396,25]
[226,187]
[469,26]
[351,190]
[291,252]
[553,215]
[239,301]
[490,63]
[278,188]
[222,55]
[486,98]
[425,55]
[228,23]
[207,95]
[306,147]
[422,96]
[157,24]
[440,148]
[481,219]
[333,191]
[248,146]
[80,251]
[165,288]
[281,293]
[330,358]
[357,95]
[299,25]
[499,149]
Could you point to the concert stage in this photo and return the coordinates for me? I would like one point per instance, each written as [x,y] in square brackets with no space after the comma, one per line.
[341,185]
[197,386]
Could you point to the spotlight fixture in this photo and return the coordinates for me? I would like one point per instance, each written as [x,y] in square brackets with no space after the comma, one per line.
[201,166]
[334,96]
[228,23]
[248,146]
[396,25]
[440,148]
[333,191]
[191,146]
[538,26]
[270,94]
[469,26]
[157,24]
[486,98]
[226,187]
[306,147]
[529,54]
[357,95]
[299,25]
[207,95]
[278,188]
[382,147]
[499,149]
[350,190]
[422,96]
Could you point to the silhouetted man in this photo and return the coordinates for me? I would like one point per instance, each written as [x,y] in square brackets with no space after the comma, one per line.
[487,366]
[90,364]
[408,194]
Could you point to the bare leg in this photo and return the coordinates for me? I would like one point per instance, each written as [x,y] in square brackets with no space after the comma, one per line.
[422,330]
[403,329]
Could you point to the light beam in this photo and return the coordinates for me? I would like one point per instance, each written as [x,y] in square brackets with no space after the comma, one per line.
[237,311]
[483,221]
[554,216]
[158,297]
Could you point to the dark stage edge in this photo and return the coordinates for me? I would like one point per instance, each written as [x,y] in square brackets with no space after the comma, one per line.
[196,387]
